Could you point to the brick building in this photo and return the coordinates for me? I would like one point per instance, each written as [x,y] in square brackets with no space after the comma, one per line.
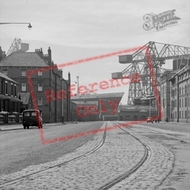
[136,112]
[9,101]
[93,107]
[180,95]
[44,79]
[165,94]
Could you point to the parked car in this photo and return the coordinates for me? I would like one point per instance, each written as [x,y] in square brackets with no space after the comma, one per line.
[149,119]
[32,117]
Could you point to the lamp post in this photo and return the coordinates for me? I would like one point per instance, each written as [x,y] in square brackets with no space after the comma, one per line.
[77,85]
[29,25]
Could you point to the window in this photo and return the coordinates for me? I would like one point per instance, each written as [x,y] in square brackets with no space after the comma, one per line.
[5,71]
[172,93]
[23,86]
[39,87]
[33,113]
[26,114]
[172,102]
[39,73]
[12,92]
[163,101]
[2,87]
[40,101]
[23,73]
[6,87]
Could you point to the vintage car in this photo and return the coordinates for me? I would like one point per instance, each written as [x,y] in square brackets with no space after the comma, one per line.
[32,117]
[150,119]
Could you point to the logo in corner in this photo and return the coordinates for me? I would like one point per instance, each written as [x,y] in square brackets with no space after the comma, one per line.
[160,21]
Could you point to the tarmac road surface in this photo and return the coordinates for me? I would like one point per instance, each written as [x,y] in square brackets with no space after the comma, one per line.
[23,147]
[142,156]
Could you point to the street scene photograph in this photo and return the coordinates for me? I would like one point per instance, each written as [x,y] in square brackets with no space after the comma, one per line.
[94,95]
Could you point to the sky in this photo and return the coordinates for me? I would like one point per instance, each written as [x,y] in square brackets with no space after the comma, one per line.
[78,29]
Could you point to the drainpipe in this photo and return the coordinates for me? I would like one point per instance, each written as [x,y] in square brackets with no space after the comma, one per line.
[177,83]
[187,119]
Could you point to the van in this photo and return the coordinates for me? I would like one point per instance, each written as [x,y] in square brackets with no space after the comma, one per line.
[32,117]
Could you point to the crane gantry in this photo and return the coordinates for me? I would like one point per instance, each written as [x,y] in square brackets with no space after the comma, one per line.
[17,45]
[142,81]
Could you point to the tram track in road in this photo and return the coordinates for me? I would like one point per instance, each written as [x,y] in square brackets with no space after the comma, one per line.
[94,149]
[170,139]
[170,135]
[146,156]
[132,157]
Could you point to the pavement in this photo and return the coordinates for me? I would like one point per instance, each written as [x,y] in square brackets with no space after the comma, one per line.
[7,127]
[10,127]
[120,153]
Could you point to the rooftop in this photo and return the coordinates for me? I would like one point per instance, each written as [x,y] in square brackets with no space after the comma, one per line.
[23,59]
[98,96]
[7,78]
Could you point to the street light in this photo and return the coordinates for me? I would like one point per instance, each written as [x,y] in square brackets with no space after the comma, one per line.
[77,85]
[29,25]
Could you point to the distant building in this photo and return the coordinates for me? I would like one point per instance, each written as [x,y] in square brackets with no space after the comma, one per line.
[179,64]
[136,112]
[45,82]
[73,115]
[9,100]
[180,95]
[165,94]
[2,54]
[93,107]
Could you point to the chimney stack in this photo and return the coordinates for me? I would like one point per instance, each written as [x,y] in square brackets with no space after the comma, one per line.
[49,54]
